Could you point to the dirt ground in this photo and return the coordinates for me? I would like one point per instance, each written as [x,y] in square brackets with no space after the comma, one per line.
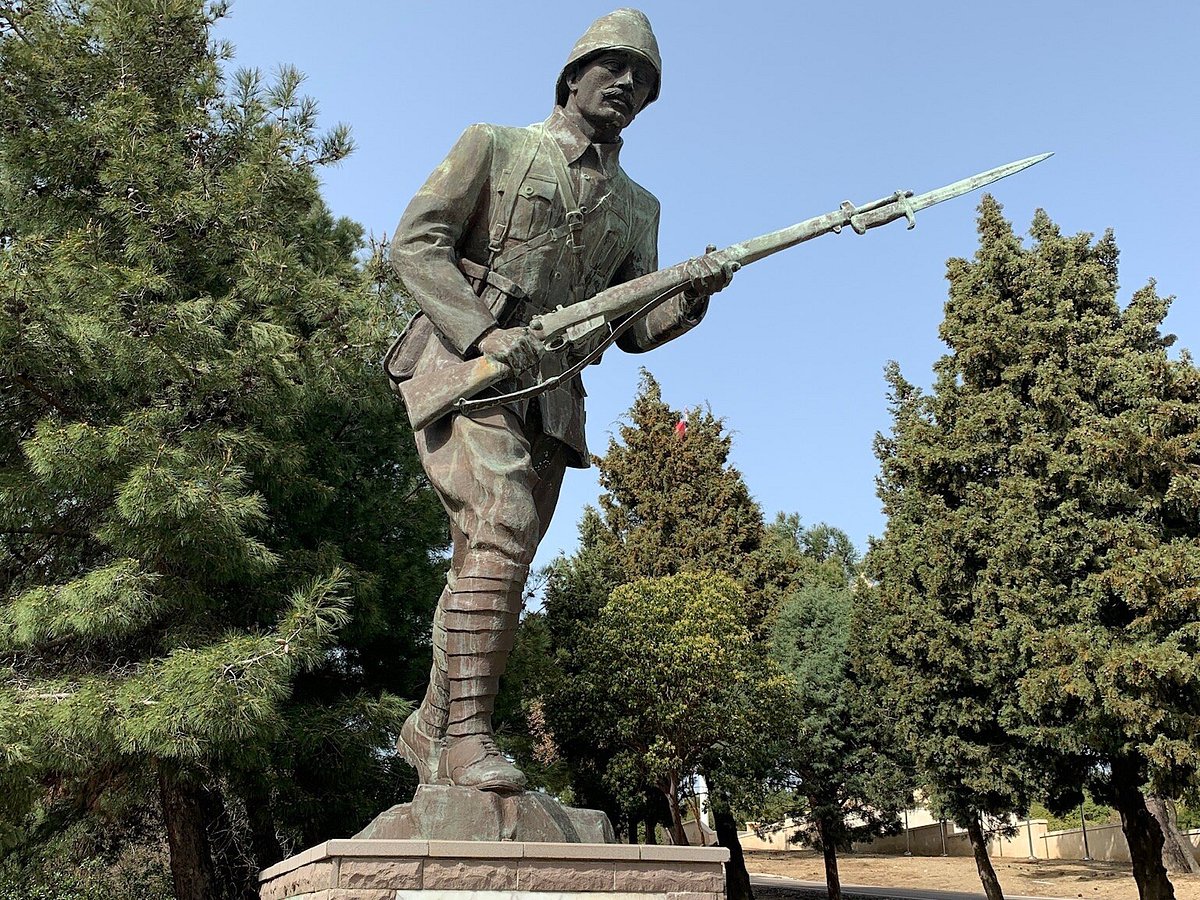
[1048,878]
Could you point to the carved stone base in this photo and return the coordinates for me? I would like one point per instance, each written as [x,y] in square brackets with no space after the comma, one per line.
[481,870]
[464,814]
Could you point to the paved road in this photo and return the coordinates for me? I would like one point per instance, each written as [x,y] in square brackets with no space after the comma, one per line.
[866,890]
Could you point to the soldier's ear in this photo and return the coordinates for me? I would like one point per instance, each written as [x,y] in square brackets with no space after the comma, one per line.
[573,78]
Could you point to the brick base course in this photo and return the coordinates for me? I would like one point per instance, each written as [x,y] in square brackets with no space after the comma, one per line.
[486,870]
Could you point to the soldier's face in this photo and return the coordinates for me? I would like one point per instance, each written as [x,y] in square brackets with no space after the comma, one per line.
[609,90]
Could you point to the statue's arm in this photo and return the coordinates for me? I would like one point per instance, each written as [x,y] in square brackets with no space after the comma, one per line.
[669,319]
[424,250]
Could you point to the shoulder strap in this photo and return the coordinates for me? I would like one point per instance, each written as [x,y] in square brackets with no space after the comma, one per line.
[521,163]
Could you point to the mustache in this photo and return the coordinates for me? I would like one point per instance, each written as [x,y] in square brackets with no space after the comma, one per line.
[622,95]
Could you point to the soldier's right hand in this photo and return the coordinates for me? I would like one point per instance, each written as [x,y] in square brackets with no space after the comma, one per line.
[514,347]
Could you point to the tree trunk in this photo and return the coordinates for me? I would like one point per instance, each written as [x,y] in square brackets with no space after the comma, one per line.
[651,828]
[632,830]
[833,883]
[678,835]
[1141,830]
[264,842]
[983,862]
[737,879]
[187,836]
[1177,852]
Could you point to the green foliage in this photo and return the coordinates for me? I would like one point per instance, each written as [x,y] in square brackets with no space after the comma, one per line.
[1097,814]
[848,778]
[1035,602]
[669,665]
[672,502]
[1189,816]
[215,545]
[791,557]
[90,882]
[115,850]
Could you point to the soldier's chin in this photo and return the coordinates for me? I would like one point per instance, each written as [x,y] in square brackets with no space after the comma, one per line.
[617,116]
[609,119]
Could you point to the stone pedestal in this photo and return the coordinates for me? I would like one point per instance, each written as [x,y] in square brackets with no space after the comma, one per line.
[463,814]
[495,870]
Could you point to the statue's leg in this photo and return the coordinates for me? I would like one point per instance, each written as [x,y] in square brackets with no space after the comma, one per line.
[482,468]
[422,739]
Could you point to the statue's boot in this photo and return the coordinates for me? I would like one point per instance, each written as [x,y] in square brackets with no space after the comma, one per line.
[476,762]
[480,627]
[421,749]
[422,738]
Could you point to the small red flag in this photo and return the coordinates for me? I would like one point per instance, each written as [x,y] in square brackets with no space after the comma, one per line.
[681,428]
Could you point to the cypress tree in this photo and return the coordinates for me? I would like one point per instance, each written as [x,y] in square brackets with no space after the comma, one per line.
[848,779]
[1036,581]
[671,501]
[215,546]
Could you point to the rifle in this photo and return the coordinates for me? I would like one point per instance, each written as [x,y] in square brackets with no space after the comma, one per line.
[428,398]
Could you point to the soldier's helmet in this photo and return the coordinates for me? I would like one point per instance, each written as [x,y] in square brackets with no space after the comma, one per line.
[622,29]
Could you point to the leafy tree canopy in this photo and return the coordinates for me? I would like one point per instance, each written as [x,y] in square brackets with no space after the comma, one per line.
[670,664]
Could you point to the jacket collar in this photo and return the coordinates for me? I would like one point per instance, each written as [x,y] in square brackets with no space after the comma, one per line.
[574,143]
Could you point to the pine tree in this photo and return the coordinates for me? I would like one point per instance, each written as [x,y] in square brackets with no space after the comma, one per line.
[214,542]
[1036,582]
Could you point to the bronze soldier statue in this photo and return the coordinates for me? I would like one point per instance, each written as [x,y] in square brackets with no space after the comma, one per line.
[514,223]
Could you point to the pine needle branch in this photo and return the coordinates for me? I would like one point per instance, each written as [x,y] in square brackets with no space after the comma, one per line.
[45,396]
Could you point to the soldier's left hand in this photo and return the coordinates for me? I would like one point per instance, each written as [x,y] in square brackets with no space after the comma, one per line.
[708,274]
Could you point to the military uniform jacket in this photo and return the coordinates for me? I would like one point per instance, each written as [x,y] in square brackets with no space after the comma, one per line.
[461,214]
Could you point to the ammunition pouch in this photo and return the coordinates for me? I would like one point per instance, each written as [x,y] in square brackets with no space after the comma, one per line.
[501,295]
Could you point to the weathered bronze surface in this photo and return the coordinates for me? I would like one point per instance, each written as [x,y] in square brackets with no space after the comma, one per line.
[446,813]
[513,224]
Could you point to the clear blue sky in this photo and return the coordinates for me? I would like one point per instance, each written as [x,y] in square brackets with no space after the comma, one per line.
[772,112]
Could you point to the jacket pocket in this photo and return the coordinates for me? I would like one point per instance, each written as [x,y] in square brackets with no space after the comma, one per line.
[533,208]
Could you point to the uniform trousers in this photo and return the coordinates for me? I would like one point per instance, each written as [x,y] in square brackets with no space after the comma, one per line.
[498,476]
